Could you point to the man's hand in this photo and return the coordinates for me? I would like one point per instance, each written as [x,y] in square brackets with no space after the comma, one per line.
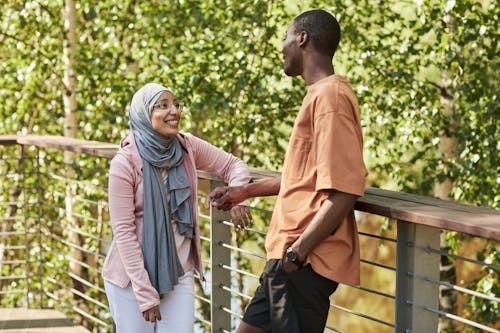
[287,266]
[226,197]
[153,314]
[240,216]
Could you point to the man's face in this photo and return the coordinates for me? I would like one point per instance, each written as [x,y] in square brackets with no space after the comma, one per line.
[292,57]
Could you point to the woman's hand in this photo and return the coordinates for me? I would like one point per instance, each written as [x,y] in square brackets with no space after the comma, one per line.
[153,314]
[240,216]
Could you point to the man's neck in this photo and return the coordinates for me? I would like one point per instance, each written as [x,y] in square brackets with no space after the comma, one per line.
[317,69]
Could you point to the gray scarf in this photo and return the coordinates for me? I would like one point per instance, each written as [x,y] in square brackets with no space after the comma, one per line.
[157,152]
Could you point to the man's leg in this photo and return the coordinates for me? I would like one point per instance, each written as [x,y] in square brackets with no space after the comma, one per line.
[283,315]
[271,309]
[310,293]
[247,328]
[257,317]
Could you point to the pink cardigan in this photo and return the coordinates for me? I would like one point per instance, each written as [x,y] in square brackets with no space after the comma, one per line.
[124,262]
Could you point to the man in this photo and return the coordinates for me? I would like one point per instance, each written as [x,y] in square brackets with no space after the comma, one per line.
[312,242]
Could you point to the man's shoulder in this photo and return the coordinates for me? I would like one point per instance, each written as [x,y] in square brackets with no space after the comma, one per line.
[330,88]
[337,83]
[334,97]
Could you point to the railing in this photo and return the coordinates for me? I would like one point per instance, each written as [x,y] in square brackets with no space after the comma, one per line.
[55,231]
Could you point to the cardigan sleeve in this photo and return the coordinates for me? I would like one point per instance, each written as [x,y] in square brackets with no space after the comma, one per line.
[209,158]
[122,209]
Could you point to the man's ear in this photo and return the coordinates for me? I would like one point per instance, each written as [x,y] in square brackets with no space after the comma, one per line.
[302,39]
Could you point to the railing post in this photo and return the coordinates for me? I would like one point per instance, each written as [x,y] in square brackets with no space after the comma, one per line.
[39,225]
[26,224]
[219,256]
[415,263]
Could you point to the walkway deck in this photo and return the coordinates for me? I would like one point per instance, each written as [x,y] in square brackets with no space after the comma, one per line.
[23,320]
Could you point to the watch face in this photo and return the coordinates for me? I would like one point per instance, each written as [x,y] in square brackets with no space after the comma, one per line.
[291,254]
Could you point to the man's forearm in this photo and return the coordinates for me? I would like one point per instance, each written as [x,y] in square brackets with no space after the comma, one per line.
[263,188]
[226,197]
[326,221]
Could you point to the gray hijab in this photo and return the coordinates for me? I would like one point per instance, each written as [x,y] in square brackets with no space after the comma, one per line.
[158,152]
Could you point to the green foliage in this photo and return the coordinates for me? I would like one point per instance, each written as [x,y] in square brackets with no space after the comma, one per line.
[480,309]
[215,55]
[223,59]
[397,54]
[30,67]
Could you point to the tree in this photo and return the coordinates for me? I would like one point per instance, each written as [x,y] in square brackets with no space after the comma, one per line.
[425,73]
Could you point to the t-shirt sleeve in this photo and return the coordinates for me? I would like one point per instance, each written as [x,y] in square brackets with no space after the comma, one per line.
[339,149]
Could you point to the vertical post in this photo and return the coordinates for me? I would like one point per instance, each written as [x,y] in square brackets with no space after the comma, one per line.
[219,256]
[404,266]
[39,226]
[27,251]
[414,265]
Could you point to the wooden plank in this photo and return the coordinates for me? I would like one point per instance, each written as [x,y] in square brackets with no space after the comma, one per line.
[403,206]
[8,140]
[258,174]
[94,148]
[425,200]
[433,212]
[74,329]
[24,320]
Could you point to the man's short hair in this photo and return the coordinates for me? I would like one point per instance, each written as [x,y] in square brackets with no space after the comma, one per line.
[322,28]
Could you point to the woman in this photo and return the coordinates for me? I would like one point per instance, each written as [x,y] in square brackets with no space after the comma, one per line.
[148,271]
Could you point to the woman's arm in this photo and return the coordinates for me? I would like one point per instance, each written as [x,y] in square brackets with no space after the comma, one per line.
[234,171]
[209,158]
[123,222]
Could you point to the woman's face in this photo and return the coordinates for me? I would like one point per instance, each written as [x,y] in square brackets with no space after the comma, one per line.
[166,115]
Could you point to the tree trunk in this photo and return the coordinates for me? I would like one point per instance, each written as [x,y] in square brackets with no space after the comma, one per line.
[71,130]
[69,58]
[448,151]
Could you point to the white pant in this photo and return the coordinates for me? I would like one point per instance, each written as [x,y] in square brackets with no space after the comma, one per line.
[176,307]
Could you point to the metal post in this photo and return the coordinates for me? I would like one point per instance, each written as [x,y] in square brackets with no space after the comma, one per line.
[414,265]
[404,266]
[219,255]
[39,226]
[26,225]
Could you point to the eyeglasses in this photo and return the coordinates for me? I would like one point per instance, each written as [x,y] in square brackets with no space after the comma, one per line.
[163,106]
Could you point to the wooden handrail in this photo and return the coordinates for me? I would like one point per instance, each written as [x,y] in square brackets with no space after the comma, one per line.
[432,212]
[424,210]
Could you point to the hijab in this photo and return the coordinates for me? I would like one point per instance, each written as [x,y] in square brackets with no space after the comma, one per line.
[162,202]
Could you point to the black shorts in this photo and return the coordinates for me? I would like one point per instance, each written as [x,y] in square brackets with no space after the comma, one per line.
[293,303]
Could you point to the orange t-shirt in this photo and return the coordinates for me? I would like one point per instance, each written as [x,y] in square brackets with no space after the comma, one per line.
[325,152]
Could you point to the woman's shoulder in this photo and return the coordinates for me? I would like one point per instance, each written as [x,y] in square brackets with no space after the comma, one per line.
[127,155]
[185,136]
[189,141]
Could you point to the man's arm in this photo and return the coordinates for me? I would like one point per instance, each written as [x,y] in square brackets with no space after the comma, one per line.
[326,221]
[226,197]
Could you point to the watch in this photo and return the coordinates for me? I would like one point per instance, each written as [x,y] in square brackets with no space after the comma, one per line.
[293,256]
